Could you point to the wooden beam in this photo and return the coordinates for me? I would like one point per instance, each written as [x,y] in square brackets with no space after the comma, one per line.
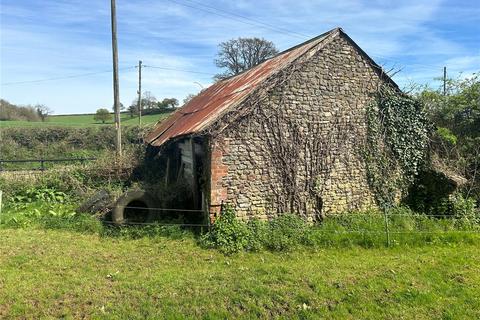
[194,175]
[167,171]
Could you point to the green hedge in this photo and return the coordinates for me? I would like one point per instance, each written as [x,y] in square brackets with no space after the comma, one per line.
[50,143]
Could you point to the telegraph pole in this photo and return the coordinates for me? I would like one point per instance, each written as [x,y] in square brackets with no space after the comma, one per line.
[116,94]
[444,81]
[140,92]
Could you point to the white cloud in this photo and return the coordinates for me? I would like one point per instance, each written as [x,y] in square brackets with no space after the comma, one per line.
[56,38]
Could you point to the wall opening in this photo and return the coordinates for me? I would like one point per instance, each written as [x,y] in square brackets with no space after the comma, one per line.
[136,211]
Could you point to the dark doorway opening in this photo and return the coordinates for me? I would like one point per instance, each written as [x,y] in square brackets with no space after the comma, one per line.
[136,211]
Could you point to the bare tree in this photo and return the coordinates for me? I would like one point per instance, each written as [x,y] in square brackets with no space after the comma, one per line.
[189,97]
[149,101]
[43,111]
[237,55]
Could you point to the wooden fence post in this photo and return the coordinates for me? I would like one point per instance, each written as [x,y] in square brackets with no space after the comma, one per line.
[1,195]
[387,231]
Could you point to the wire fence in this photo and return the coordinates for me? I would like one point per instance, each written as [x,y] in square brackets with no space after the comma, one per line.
[388,225]
[43,164]
[362,228]
[147,216]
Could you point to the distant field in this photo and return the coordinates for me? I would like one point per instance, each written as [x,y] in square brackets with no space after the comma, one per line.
[81,120]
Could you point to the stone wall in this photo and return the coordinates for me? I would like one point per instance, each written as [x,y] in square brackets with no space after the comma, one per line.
[299,149]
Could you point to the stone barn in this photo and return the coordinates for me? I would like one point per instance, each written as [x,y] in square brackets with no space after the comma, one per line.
[283,136]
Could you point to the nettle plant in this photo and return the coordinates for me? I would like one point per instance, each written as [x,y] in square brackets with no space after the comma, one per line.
[398,133]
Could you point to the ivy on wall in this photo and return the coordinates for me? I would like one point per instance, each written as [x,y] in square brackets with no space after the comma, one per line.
[398,132]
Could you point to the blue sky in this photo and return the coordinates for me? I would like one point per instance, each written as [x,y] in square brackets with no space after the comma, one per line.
[49,39]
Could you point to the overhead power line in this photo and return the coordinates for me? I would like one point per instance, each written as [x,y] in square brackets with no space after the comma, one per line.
[261,23]
[100,72]
[175,69]
[254,22]
[238,17]
[63,77]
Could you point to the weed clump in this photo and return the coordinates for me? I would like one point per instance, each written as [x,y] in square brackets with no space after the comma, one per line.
[228,234]
[369,229]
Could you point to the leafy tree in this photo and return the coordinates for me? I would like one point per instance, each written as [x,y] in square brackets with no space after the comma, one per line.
[133,110]
[457,119]
[167,104]
[237,55]
[102,115]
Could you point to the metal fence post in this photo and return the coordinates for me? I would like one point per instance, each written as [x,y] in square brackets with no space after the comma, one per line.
[387,231]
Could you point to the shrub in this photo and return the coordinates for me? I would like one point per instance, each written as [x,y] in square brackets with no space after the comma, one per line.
[446,135]
[57,142]
[48,215]
[40,194]
[228,234]
[259,234]
[11,111]
[286,232]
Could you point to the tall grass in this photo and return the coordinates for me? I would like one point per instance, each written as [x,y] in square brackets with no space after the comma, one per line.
[370,229]
[399,226]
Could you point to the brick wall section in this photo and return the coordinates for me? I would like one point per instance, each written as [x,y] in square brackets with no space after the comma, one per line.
[218,172]
[329,93]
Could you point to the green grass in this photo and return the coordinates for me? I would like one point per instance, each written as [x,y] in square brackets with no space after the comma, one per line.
[81,120]
[63,274]
[58,264]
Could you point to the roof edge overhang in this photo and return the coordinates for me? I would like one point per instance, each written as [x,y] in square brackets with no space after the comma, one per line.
[325,37]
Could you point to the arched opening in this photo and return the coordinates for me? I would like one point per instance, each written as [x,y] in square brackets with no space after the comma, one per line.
[136,211]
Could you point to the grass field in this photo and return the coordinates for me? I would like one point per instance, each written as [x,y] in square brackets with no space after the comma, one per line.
[63,274]
[81,120]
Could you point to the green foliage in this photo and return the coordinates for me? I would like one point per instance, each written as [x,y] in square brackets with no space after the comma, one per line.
[82,121]
[259,235]
[464,207]
[237,55]
[51,143]
[366,229]
[447,135]
[11,112]
[167,104]
[43,194]
[56,274]
[228,234]
[148,231]
[459,113]
[286,232]
[48,209]
[397,138]
[102,115]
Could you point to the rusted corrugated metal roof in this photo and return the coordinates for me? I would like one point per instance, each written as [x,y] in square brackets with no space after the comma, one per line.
[203,109]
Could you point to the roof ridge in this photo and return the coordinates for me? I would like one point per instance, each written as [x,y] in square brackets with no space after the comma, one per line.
[210,105]
[323,35]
